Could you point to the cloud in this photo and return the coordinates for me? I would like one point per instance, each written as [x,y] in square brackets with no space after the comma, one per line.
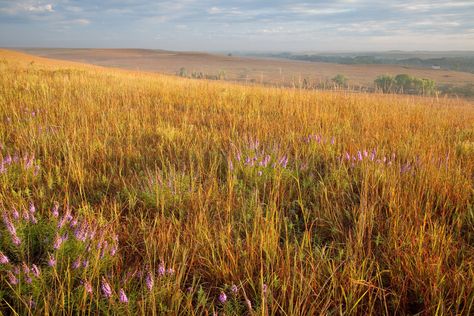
[25,7]
[249,23]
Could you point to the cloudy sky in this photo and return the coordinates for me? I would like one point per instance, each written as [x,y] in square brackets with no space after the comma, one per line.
[276,25]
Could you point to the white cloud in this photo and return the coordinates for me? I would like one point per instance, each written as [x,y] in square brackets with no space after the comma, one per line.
[81,21]
[27,6]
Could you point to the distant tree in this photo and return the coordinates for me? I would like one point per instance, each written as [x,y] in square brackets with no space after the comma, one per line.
[385,83]
[340,80]
[429,86]
[404,83]
[183,72]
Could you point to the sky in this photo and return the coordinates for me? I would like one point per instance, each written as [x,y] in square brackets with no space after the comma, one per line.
[244,25]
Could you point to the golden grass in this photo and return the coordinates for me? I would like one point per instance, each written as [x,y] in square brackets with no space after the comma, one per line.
[152,154]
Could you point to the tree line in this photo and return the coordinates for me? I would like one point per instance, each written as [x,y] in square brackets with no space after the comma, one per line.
[404,83]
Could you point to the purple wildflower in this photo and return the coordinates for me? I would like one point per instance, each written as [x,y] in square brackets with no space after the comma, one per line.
[57,242]
[32,208]
[222,298]
[51,261]
[31,303]
[149,281]
[3,258]
[123,296]
[359,155]
[35,270]
[161,269]
[76,264]
[55,210]
[63,220]
[8,223]
[15,214]
[25,267]
[85,263]
[80,233]
[170,271]
[88,287]
[12,278]
[234,289]
[106,289]
[16,240]
[264,289]
[28,279]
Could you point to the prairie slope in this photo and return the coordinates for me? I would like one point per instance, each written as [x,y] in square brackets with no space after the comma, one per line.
[257,200]
[261,70]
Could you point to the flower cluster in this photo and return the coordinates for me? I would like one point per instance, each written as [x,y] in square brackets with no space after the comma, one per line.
[59,230]
[257,158]
[27,162]
[366,156]
[319,139]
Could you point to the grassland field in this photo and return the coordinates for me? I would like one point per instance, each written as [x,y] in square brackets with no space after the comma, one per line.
[133,193]
[268,71]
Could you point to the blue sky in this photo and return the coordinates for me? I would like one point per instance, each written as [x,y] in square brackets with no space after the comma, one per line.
[278,25]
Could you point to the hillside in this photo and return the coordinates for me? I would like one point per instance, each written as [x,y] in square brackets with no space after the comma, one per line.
[271,71]
[126,192]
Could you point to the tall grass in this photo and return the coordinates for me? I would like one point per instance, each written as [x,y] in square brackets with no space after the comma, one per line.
[230,199]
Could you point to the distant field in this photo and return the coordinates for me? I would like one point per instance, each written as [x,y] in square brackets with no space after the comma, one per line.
[246,69]
[133,193]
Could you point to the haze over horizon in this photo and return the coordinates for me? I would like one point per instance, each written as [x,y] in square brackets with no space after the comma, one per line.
[280,25]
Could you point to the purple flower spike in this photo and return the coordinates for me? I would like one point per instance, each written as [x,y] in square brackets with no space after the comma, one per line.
[57,242]
[12,278]
[170,271]
[161,269]
[106,289]
[76,264]
[222,298]
[35,270]
[32,208]
[15,214]
[123,296]
[149,281]
[55,210]
[25,267]
[51,261]
[88,287]
[16,240]
[234,289]
[3,258]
